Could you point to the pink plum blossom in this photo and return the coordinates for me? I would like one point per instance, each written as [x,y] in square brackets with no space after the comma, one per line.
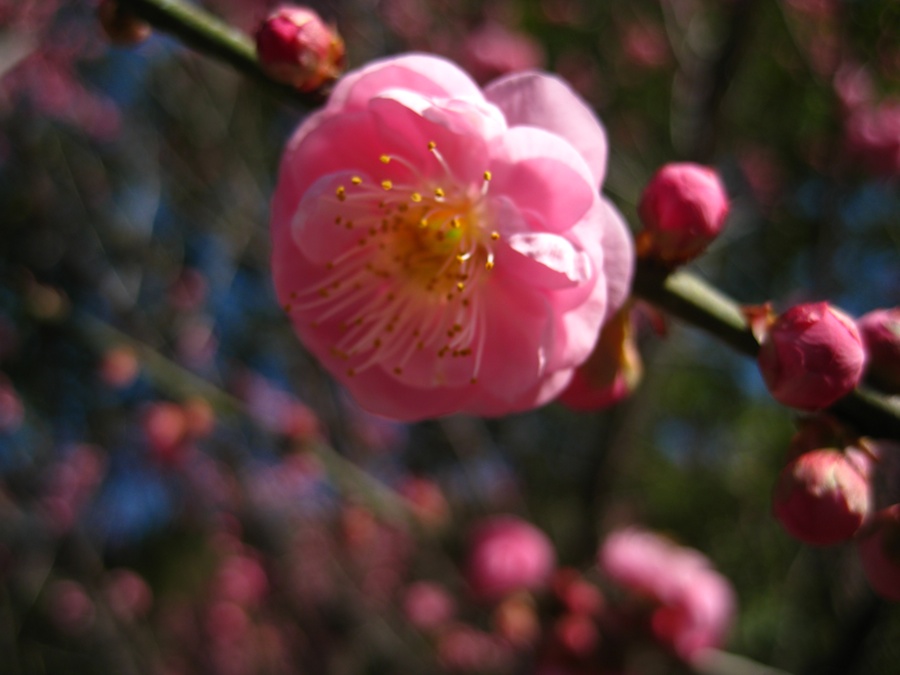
[811,356]
[442,249]
[880,331]
[506,554]
[822,498]
[683,208]
[692,604]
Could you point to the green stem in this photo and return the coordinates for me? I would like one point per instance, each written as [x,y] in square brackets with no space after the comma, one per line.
[211,36]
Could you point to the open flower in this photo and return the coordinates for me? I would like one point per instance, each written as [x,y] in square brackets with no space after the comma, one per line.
[441,249]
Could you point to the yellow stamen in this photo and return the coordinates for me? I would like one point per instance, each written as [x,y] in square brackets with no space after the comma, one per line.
[386,184]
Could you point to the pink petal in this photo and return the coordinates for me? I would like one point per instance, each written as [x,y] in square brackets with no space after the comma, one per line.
[384,395]
[424,74]
[618,257]
[545,101]
[545,260]
[539,171]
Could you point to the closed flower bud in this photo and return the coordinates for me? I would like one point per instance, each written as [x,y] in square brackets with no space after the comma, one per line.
[880,332]
[507,554]
[822,498]
[683,209]
[296,47]
[811,356]
[880,553]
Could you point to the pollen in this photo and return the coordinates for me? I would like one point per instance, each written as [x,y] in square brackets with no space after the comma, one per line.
[495,235]
[416,197]
[356,180]
[438,192]
[341,193]
[385,159]
[432,145]
[487,175]
[386,184]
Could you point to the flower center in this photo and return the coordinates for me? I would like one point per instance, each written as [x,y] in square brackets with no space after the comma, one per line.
[411,281]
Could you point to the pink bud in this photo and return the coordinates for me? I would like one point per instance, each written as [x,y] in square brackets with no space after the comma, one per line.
[683,208]
[507,554]
[811,356]
[296,47]
[577,634]
[880,331]
[880,553]
[821,498]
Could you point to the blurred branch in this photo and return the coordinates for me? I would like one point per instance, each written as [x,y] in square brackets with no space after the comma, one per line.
[181,383]
[691,299]
[211,36]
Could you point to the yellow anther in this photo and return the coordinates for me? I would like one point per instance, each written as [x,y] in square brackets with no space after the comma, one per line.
[423,222]
[456,223]
[356,180]
[416,197]
[432,145]
[341,193]
[386,184]
[438,192]
[487,175]
[385,159]
[460,286]
[489,265]
[495,235]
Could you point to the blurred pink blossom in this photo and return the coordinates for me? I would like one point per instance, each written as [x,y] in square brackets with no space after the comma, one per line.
[872,137]
[427,605]
[507,554]
[492,50]
[693,605]
[444,249]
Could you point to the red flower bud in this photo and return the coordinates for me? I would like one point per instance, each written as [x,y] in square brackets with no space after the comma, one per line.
[822,498]
[811,356]
[880,553]
[880,331]
[295,46]
[683,209]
